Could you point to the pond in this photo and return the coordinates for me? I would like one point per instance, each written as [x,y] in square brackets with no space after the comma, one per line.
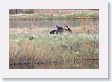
[52,23]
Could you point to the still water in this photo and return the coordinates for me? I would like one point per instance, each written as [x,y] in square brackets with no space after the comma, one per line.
[52,23]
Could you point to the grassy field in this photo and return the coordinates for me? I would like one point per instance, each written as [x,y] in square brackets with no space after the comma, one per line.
[60,16]
[45,51]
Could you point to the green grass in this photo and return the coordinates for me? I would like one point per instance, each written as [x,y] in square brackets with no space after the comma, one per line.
[62,16]
[54,51]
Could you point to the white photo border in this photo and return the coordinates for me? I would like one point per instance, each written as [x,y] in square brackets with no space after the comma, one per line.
[102,72]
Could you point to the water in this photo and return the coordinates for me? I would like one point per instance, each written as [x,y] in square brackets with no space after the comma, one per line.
[52,23]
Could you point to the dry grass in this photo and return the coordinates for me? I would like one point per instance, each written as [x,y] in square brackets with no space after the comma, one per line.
[47,51]
[85,29]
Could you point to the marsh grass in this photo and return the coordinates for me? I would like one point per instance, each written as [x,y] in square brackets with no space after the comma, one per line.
[58,16]
[47,51]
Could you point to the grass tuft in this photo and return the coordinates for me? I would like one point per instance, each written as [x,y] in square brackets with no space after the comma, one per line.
[47,51]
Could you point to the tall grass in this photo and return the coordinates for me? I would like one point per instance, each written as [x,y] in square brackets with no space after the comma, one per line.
[47,51]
